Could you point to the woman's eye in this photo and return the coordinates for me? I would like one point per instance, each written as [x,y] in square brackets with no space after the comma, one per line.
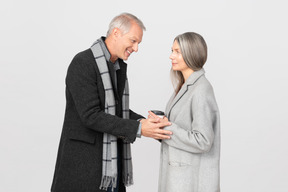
[175,51]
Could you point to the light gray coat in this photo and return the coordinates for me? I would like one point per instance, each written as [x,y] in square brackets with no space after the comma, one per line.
[190,159]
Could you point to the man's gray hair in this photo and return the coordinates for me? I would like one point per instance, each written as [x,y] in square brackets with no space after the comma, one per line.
[123,22]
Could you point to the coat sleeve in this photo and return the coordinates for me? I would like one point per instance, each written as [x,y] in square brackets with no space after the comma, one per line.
[81,82]
[135,116]
[199,138]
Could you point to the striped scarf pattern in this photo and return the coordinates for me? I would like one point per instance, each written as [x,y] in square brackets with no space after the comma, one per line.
[109,162]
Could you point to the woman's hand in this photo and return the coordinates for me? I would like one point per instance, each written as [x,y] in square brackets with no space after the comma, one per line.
[154,116]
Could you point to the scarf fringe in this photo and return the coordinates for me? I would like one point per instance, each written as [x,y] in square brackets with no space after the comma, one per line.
[128,179]
[108,181]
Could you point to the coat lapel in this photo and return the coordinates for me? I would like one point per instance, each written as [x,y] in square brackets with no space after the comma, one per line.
[112,76]
[190,81]
[121,77]
[176,99]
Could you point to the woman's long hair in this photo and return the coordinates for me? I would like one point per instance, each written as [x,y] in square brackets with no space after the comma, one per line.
[194,52]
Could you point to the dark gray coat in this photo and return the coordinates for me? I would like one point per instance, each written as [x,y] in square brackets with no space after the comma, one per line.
[79,161]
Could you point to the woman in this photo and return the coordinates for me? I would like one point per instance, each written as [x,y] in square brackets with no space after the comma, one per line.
[190,159]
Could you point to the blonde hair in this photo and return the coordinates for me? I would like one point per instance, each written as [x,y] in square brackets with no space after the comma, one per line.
[194,52]
[123,22]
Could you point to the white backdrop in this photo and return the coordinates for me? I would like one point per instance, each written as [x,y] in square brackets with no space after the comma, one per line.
[247,67]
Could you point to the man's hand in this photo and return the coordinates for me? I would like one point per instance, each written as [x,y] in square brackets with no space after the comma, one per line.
[152,128]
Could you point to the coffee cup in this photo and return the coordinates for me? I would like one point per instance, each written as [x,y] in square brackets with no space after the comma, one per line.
[160,114]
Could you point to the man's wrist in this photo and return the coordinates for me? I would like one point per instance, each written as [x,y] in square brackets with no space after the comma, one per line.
[139,128]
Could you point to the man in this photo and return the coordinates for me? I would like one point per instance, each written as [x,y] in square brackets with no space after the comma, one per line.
[94,151]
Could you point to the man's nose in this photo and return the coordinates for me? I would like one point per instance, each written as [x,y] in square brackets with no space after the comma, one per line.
[135,47]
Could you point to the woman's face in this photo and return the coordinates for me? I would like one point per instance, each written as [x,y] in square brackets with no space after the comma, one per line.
[178,63]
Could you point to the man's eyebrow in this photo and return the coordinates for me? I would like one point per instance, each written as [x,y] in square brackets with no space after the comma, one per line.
[133,37]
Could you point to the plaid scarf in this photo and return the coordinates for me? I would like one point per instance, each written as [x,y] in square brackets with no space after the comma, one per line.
[109,162]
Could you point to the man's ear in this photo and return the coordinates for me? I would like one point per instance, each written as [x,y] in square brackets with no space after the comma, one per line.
[116,32]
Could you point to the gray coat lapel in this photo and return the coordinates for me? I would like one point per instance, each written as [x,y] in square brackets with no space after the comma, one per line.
[175,99]
[190,81]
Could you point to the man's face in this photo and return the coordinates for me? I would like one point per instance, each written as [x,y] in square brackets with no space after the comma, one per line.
[128,43]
